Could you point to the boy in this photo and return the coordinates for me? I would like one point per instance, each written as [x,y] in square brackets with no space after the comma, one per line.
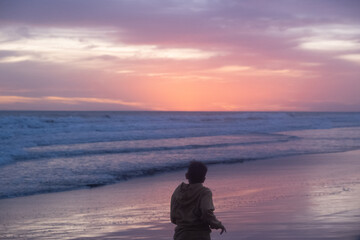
[192,208]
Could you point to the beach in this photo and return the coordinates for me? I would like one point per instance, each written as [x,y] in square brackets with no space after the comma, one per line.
[105,104]
[298,197]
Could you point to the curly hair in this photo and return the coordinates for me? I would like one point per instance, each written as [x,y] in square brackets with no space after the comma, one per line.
[196,172]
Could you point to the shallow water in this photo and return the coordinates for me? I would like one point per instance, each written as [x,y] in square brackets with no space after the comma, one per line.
[301,197]
[313,197]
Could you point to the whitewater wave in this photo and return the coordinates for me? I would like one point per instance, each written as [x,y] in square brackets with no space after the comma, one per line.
[57,151]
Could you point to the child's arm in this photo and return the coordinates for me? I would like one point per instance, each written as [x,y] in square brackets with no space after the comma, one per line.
[207,211]
[173,207]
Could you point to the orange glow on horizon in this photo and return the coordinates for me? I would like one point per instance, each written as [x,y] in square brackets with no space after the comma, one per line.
[218,94]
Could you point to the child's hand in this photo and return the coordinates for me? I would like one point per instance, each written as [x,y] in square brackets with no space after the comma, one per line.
[223,229]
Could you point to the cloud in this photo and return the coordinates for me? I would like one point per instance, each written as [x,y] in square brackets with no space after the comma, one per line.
[17,99]
[232,68]
[265,72]
[76,100]
[329,45]
[13,59]
[69,46]
[66,100]
[351,57]
[327,37]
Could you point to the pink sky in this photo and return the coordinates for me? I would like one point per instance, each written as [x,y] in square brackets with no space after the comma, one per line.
[193,55]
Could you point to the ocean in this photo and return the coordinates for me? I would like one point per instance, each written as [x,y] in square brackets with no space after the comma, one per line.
[53,151]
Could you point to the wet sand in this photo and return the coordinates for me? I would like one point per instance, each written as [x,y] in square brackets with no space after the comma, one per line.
[299,197]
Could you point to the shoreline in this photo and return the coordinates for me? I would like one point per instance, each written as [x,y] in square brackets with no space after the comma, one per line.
[156,171]
[298,197]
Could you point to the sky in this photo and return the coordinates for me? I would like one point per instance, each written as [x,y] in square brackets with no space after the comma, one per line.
[176,55]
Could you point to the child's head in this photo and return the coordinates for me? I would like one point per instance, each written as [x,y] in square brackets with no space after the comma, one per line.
[196,172]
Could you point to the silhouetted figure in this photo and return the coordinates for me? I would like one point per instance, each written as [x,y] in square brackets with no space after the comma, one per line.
[192,208]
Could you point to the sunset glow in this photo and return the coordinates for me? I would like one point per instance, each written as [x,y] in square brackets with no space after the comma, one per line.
[180,55]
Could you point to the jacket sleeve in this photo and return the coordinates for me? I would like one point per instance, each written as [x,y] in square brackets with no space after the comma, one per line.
[207,211]
[172,209]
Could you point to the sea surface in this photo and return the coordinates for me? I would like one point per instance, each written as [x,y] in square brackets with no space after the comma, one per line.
[44,152]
